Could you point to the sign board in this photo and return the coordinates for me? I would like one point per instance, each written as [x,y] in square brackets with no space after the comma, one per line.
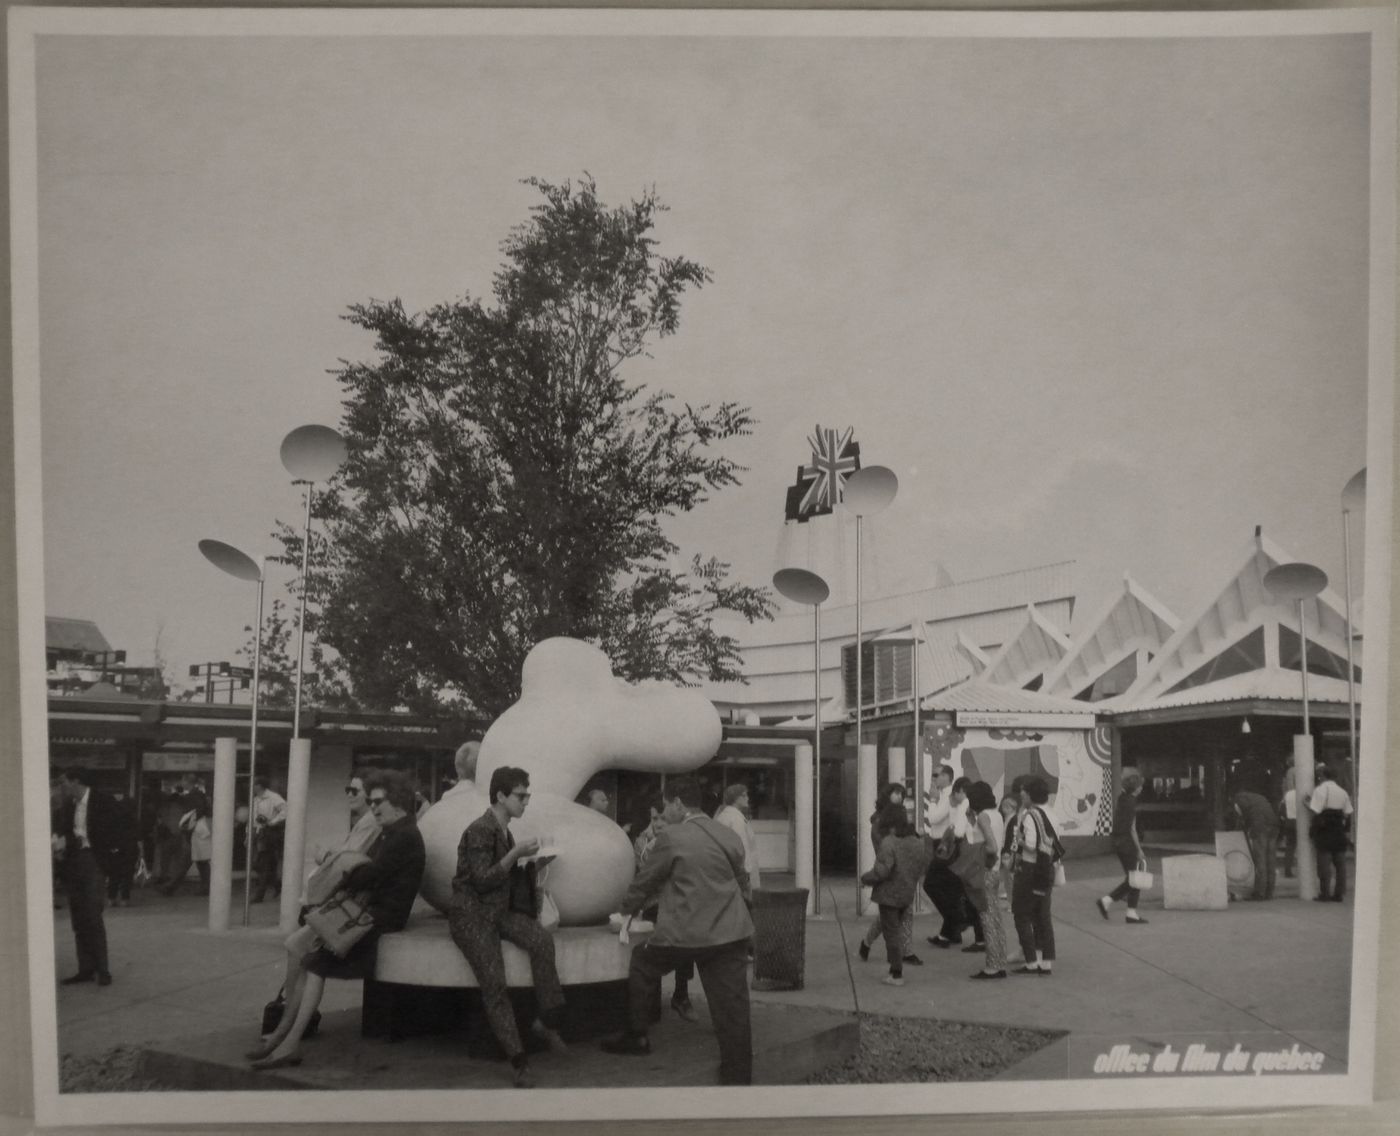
[88,760]
[1020,720]
[177,762]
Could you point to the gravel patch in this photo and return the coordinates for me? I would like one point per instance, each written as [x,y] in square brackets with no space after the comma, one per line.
[110,1072]
[894,1050]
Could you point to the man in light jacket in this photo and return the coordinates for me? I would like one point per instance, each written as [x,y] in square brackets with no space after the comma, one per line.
[696,868]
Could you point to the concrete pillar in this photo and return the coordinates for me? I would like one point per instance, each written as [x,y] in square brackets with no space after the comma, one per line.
[294,837]
[802,820]
[867,773]
[1303,784]
[896,769]
[221,860]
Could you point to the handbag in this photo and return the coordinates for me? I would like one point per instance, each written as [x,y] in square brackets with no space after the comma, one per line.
[341,922]
[970,866]
[1140,877]
[945,848]
[325,880]
[523,895]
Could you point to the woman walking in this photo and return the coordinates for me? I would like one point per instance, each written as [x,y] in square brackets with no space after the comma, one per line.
[987,836]
[1030,888]
[901,864]
[1128,845]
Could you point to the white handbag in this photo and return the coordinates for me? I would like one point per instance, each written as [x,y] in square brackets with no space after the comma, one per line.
[1140,877]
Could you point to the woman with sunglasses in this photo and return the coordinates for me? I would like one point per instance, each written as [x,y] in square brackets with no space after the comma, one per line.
[390,881]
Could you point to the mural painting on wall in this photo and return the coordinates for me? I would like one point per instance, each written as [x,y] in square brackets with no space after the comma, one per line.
[1077,765]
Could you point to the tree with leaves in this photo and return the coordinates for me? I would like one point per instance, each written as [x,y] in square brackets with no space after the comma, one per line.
[506,483]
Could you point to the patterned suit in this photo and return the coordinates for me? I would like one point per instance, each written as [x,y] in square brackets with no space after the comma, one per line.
[479,917]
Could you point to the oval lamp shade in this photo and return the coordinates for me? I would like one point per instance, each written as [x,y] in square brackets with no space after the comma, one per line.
[1354,495]
[229,559]
[1295,581]
[870,490]
[313,453]
[801,586]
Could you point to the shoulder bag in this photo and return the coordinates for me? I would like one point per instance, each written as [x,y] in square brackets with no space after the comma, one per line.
[341,922]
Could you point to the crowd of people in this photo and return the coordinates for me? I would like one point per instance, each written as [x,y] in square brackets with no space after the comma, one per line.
[693,884]
[973,855]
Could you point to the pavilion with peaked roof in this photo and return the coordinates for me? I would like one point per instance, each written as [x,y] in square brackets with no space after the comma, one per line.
[1115,647]
[1216,709]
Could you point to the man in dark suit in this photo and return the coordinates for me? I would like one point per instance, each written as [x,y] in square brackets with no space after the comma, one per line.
[87,824]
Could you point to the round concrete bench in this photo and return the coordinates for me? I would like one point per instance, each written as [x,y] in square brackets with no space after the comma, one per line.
[422,984]
[423,954]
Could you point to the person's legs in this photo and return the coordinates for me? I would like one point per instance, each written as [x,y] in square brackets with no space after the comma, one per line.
[285,1041]
[680,997]
[907,927]
[1022,905]
[992,927]
[86,897]
[1268,851]
[538,943]
[891,926]
[872,933]
[1044,930]
[1324,872]
[1290,848]
[202,867]
[478,938]
[1339,861]
[644,973]
[724,974]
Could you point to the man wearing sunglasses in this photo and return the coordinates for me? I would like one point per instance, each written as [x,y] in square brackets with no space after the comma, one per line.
[494,898]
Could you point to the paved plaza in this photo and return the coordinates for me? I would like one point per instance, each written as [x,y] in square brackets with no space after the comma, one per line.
[1270,974]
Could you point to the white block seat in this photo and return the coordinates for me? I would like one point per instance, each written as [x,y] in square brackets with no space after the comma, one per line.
[423,984]
[1194,883]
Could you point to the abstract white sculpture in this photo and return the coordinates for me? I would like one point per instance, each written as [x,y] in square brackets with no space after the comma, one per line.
[574,718]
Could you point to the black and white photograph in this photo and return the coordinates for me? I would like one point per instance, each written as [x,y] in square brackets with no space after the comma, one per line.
[833,562]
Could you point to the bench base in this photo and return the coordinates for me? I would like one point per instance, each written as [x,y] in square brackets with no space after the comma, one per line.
[395,1011]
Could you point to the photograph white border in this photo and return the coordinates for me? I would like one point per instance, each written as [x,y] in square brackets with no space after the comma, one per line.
[53,1108]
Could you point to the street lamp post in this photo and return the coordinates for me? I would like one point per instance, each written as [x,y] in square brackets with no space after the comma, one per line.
[803,587]
[310,454]
[868,491]
[1353,497]
[1300,583]
[243,567]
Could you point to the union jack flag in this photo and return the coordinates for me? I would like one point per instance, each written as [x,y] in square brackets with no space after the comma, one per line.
[835,456]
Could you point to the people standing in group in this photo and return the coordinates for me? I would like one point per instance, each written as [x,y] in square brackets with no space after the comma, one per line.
[1258,819]
[125,853]
[1331,810]
[389,882]
[269,827]
[172,859]
[735,815]
[685,971]
[900,864]
[490,894]
[695,873]
[1127,846]
[1030,887]
[940,884]
[85,833]
[891,793]
[987,835]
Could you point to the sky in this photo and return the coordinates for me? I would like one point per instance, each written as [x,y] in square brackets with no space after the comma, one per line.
[1100,300]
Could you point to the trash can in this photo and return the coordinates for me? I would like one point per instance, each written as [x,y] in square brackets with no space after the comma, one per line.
[779,937]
